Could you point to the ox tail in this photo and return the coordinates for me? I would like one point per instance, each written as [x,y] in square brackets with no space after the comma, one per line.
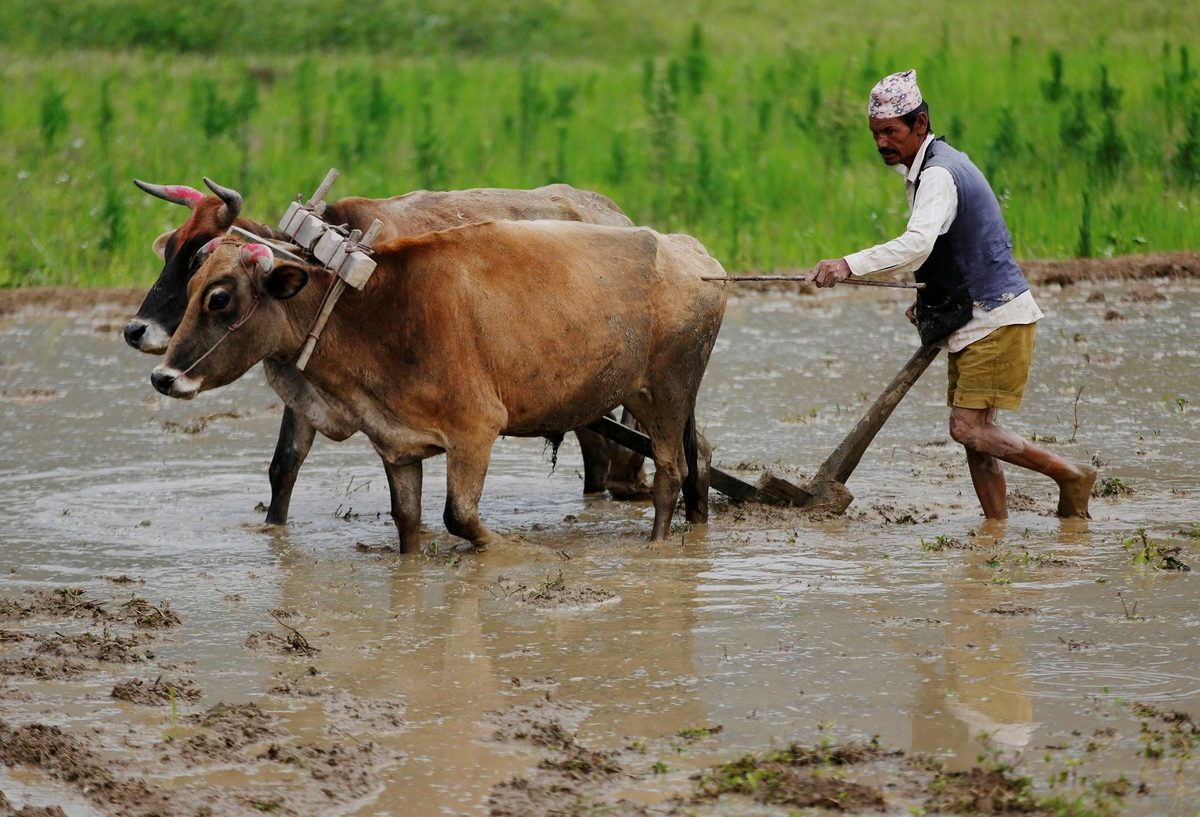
[692,487]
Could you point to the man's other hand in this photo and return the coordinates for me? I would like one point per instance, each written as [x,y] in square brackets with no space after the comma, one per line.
[830,272]
[911,314]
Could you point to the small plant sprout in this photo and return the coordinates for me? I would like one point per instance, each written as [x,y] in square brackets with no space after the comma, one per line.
[1130,611]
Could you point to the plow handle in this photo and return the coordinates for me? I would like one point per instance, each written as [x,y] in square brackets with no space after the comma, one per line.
[844,459]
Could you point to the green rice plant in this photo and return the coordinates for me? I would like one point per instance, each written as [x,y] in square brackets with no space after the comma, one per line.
[531,108]
[305,83]
[431,168]
[662,148]
[696,62]
[54,116]
[1107,95]
[1186,162]
[112,213]
[1084,248]
[105,114]
[1054,89]
[1076,123]
[1110,151]
[618,168]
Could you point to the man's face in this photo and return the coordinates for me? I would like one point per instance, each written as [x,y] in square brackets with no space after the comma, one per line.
[896,142]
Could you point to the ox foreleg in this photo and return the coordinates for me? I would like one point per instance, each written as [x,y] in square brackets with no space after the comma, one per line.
[295,439]
[466,469]
[404,483]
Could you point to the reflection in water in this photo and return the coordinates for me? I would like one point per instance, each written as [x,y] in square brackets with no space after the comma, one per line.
[769,625]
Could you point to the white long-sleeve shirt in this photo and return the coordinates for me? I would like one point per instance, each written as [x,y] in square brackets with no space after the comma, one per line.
[934,207]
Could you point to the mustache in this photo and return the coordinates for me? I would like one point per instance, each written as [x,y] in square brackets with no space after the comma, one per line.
[888,152]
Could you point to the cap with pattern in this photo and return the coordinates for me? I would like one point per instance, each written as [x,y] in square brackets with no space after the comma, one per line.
[895,95]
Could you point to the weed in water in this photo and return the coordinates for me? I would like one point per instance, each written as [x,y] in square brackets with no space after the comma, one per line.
[1112,486]
[1157,554]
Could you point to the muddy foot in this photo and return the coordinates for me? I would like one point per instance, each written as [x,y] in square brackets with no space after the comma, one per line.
[1073,495]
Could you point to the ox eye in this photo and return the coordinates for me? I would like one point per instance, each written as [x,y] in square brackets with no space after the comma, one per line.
[218,300]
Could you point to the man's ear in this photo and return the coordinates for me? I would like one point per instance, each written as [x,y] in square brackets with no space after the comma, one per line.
[160,244]
[922,123]
[283,281]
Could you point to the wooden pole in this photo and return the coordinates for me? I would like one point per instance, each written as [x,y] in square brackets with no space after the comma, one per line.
[862,282]
[317,203]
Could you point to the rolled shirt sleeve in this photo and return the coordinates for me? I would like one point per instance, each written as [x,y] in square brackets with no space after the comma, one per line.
[934,206]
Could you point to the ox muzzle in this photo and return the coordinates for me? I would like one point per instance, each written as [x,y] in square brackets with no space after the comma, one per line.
[174,383]
[147,336]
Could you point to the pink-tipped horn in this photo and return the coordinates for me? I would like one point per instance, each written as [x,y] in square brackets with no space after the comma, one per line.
[233,202]
[174,193]
[209,248]
[259,255]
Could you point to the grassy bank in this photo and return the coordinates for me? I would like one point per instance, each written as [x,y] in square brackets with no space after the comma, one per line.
[1091,137]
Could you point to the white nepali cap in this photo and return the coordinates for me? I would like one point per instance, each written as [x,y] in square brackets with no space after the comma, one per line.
[895,95]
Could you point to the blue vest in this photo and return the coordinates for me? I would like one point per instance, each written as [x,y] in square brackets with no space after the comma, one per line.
[972,263]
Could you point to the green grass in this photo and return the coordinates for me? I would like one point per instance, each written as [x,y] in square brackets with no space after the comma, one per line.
[751,137]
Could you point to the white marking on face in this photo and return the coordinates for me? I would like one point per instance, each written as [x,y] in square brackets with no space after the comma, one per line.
[183,387]
[154,340]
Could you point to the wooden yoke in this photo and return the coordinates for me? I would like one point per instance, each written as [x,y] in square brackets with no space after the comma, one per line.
[347,256]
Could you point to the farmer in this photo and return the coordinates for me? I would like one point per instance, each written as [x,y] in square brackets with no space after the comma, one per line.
[976,302]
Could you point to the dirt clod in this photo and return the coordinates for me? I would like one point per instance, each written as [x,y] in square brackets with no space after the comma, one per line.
[156,692]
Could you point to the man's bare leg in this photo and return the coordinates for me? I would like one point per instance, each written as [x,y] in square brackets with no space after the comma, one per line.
[976,430]
[988,478]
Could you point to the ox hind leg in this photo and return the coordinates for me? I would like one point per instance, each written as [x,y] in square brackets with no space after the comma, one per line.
[597,452]
[664,425]
[295,439]
[466,468]
[404,484]
[626,475]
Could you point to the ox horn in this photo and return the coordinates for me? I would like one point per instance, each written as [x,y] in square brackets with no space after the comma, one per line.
[208,249]
[233,202]
[174,193]
[258,255]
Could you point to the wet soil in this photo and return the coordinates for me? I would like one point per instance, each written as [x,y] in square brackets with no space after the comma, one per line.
[163,652]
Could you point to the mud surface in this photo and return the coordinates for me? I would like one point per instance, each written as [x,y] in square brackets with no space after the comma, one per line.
[163,652]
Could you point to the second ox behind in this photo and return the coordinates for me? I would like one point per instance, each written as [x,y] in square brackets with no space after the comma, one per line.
[516,328]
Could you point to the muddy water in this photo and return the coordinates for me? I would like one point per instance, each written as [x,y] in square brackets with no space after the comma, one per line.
[907,618]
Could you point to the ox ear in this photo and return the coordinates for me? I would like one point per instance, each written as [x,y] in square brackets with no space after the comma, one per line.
[160,244]
[283,281]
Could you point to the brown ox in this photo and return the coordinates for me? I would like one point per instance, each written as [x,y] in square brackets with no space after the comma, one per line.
[516,328]
[416,213]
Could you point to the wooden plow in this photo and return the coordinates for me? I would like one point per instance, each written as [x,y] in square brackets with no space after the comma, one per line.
[827,490]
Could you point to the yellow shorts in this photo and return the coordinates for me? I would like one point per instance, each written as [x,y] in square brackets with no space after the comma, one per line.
[992,371]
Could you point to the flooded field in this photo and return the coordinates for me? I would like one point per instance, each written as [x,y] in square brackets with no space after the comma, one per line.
[163,652]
